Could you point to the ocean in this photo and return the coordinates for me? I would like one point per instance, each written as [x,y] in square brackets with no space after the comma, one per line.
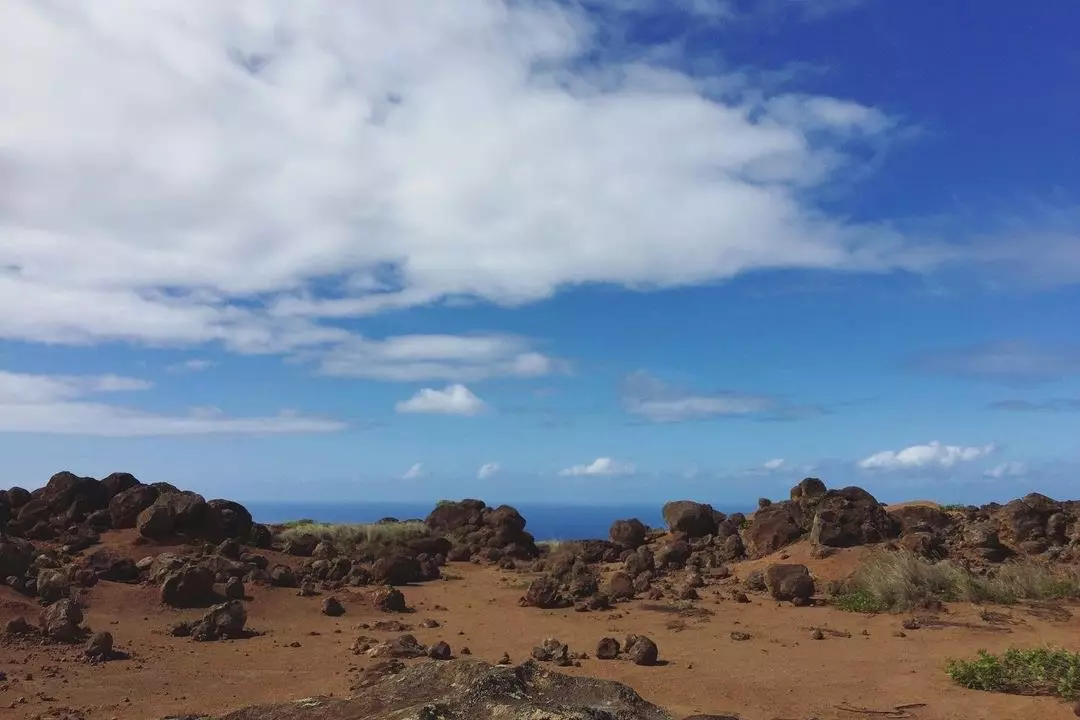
[545,522]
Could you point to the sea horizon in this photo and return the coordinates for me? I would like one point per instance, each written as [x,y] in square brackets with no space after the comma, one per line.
[546,521]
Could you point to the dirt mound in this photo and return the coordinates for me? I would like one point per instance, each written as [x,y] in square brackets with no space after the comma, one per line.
[471,689]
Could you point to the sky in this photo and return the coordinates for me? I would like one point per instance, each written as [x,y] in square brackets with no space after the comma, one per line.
[563,251]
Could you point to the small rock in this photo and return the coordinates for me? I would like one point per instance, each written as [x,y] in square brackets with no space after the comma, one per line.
[234,589]
[465,651]
[332,607]
[911,624]
[505,659]
[440,651]
[607,649]
[740,636]
[389,599]
[429,623]
[100,646]
[817,634]
[900,634]
[739,596]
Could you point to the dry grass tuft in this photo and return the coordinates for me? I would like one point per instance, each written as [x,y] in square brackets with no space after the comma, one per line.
[902,580]
[344,535]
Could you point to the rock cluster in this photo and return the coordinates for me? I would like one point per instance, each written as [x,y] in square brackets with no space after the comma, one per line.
[477,530]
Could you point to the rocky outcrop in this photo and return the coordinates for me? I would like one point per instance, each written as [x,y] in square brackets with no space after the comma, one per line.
[125,506]
[470,689]
[479,530]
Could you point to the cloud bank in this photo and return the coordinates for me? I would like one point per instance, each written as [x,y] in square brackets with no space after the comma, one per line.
[933,454]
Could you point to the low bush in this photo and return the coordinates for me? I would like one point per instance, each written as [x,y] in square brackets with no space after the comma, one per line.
[1040,671]
[346,535]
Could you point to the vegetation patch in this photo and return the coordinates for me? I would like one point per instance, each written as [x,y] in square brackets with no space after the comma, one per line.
[901,580]
[351,534]
[1040,671]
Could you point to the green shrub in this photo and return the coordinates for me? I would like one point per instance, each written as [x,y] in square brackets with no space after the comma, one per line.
[1041,671]
[902,580]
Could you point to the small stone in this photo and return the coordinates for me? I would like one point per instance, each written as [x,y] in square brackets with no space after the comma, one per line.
[100,646]
[505,659]
[740,636]
[739,596]
[465,651]
[429,623]
[440,651]
[900,634]
[817,634]
[911,624]
[332,607]
[607,649]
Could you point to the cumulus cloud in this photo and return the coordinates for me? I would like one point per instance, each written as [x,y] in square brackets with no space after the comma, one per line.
[933,454]
[600,466]
[1012,468]
[414,472]
[488,470]
[358,157]
[57,404]
[655,400]
[451,400]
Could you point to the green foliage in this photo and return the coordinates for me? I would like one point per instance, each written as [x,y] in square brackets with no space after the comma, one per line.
[1040,671]
[901,580]
[345,535]
[956,507]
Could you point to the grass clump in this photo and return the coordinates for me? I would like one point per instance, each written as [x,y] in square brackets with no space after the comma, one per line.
[901,580]
[345,535]
[1040,671]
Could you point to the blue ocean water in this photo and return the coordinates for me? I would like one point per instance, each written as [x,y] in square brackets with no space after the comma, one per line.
[545,522]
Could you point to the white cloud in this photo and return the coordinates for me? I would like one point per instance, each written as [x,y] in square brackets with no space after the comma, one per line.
[1007,469]
[774,464]
[451,400]
[354,157]
[922,456]
[437,357]
[600,466]
[193,365]
[488,470]
[657,401]
[414,472]
[56,404]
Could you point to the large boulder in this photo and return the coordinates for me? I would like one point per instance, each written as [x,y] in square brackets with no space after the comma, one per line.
[470,689]
[179,513]
[226,519]
[848,517]
[396,569]
[118,482]
[17,497]
[544,592]
[690,518]
[789,582]
[628,533]
[223,621]
[190,586]
[126,505]
[63,621]
[772,527]
[16,556]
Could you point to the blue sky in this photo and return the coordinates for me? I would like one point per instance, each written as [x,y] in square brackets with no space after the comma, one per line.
[570,252]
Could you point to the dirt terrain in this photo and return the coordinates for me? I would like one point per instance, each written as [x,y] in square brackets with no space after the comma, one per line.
[779,672]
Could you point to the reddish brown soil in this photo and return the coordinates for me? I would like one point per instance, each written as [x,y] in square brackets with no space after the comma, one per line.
[779,673]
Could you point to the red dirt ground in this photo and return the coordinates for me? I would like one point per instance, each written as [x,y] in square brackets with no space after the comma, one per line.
[779,673]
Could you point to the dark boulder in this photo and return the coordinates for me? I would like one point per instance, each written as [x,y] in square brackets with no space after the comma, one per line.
[808,491]
[223,621]
[190,586]
[106,566]
[62,621]
[260,536]
[52,585]
[440,651]
[17,497]
[789,582]
[772,527]
[67,493]
[16,556]
[921,519]
[126,505]
[118,482]
[620,586]
[332,607]
[396,569]
[672,556]
[283,576]
[99,647]
[389,599]
[628,533]
[690,518]
[641,650]
[848,517]
[225,519]
[544,592]
[1025,520]
[607,649]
